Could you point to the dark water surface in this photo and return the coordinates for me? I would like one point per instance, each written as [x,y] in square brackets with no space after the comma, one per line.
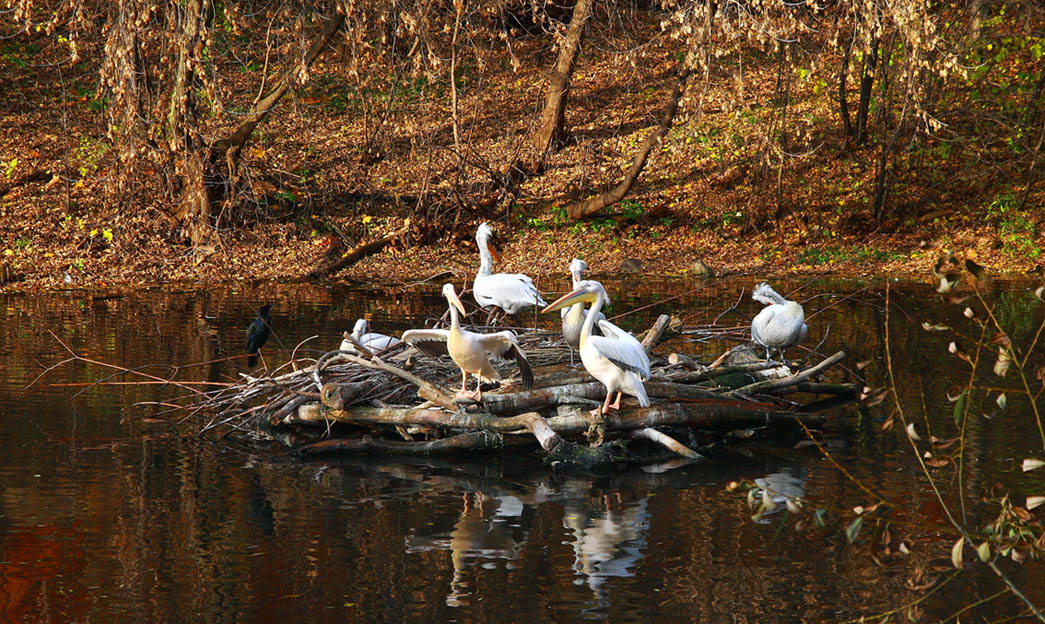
[108,513]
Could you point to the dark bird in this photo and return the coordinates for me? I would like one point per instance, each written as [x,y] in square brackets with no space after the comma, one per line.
[257,334]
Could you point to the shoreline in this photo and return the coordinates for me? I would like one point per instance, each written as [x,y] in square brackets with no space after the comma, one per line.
[666,256]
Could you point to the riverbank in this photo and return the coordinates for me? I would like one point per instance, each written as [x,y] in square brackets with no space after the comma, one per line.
[281,252]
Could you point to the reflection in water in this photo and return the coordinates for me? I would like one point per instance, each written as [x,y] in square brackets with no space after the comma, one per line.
[782,486]
[488,532]
[607,541]
[107,514]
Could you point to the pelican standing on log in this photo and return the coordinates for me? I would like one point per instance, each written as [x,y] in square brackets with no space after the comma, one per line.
[370,340]
[573,316]
[511,292]
[469,350]
[615,358]
[781,324]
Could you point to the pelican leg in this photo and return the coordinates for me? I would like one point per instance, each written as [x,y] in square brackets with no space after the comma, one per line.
[616,404]
[596,414]
[489,317]
[571,357]
[464,385]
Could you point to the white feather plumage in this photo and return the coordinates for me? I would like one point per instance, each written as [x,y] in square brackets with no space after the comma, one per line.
[781,324]
[512,292]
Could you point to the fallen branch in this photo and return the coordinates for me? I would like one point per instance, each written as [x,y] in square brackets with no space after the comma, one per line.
[653,334]
[793,380]
[668,442]
[358,253]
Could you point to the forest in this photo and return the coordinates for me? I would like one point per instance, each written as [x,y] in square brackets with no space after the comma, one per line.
[206,140]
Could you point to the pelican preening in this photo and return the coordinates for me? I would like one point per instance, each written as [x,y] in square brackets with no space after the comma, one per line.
[370,340]
[469,350]
[573,316]
[615,358]
[781,324]
[511,292]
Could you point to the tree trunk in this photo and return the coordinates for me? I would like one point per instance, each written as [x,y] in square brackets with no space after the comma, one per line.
[866,82]
[183,136]
[843,103]
[617,193]
[550,133]
[214,173]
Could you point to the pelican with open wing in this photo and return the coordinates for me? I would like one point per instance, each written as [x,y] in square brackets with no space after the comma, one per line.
[471,352]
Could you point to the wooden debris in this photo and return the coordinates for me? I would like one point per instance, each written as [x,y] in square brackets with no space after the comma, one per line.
[374,405]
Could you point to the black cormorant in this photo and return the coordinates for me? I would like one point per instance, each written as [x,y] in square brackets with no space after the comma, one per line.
[257,334]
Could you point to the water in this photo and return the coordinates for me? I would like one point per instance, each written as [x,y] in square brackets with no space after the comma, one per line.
[108,513]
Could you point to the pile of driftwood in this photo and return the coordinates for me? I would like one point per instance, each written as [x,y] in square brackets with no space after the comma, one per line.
[397,402]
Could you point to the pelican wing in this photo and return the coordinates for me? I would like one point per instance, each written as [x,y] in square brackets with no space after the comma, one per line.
[506,290]
[621,348]
[504,345]
[760,323]
[378,341]
[428,341]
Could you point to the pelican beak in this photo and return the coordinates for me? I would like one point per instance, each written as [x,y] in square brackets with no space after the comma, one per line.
[581,294]
[455,301]
[493,252]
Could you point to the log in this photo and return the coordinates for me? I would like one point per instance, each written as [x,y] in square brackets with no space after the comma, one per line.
[408,416]
[678,359]
[786,382]
[705,374]
[561,377]
[287,410]
[668,442]
[464,443]
[516,402]
[653,334]
[564,454]
[709,414]
[828,388]
[698,414]
[341,395]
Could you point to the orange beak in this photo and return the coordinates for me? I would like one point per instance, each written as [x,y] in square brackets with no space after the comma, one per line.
[493,252]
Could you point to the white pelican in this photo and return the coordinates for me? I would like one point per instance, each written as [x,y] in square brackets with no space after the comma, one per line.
[573,316]
[469,350]
[510,292]
[615,358]
[370,340]
[781,324]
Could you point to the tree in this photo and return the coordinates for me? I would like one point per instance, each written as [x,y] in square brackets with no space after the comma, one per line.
[166,114]
[551,128]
